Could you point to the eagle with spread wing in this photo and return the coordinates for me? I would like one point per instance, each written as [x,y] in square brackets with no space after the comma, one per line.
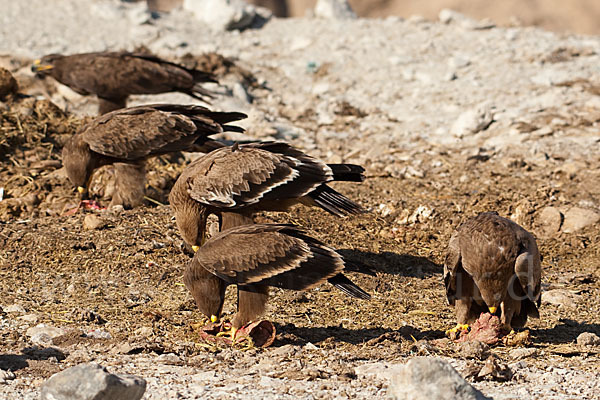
[254,257]
[494,265]
[113,76]
[127,137]
[236,181]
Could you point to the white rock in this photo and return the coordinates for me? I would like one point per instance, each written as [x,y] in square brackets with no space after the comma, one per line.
[472,121]
[99,334]
[223,14]
[43,329]
[588,339]
[334,9]
[14,308]
[380,370]
[92,381]
[433,379]
[578,218]
[6,376]
[32,318]
[559,297]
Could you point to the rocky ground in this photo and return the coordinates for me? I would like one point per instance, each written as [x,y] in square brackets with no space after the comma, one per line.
[449,117]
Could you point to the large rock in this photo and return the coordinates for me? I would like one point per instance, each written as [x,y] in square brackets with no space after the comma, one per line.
[432,379]
[334,9]
[226,14]
[92,382]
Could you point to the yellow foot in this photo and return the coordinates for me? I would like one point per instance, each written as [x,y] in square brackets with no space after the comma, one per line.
[249,343]
[458,327]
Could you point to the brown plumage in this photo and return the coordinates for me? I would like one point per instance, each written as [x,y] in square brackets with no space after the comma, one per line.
[113,76]
[254,257]
[127,137]
[493,264]
[244,179]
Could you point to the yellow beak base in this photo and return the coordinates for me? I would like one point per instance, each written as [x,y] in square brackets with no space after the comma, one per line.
[493,310]
[195,248]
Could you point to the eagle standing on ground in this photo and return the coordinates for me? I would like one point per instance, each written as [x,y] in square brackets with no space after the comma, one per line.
[127,137]
[113,76]
[235,182]
[493,264]
[254,257]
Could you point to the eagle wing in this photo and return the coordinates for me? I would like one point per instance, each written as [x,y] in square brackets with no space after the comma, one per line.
[274,255]
[239,176]
[137,132]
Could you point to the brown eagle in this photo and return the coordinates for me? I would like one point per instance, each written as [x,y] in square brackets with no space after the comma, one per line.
[493,265]
[236,181]
[127,137]
[254,257]
[113,76]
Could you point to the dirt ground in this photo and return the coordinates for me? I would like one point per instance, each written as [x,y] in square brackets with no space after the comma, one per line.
[126,277]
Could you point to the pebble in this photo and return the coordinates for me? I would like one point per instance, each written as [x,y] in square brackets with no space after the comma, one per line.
[92,222]
[99,334]
[474,349]
[472,121]
[524,352]
[14,308]
[588,339]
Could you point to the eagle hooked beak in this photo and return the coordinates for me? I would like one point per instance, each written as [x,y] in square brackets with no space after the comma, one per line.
[38,67]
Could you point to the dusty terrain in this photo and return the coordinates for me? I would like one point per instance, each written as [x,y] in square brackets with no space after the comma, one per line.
[388,100]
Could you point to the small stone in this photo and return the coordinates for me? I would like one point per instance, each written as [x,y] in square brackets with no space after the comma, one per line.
[588,339]
[43,329]
[495,370]
[284,351]
[523,352]
[431,378]
[334,9]
[310,346]
[380,370]
[169,358]
[14,308]
[472,121]
[549,221]
[32,318]
[578,218]
[6,376]
[92,381]
[474,349]
[559,297]
[92,222]
[144,331]
[99,334]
